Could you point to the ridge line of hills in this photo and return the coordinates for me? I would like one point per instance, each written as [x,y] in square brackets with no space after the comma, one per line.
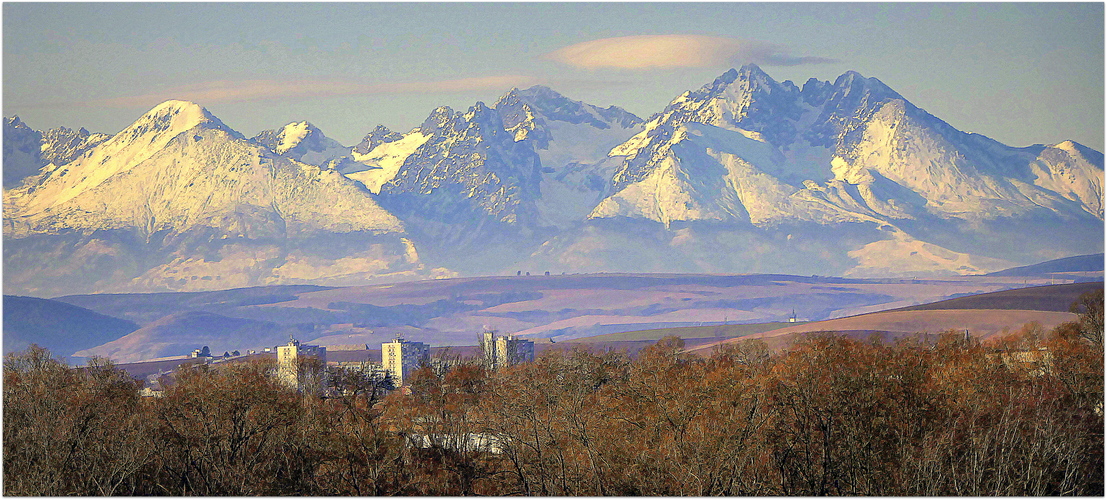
[562,309]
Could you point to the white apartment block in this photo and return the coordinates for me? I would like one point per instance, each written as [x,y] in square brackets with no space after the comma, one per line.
[293,370]
[401,358]
[505,351]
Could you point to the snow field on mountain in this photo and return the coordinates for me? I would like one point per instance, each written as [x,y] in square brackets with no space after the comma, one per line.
[1063,169]
[744,174]
[384,161]
[122,152]
[291,136]
[208,178]
[902,256]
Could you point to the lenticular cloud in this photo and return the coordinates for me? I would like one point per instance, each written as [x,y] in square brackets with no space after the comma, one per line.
[676,51]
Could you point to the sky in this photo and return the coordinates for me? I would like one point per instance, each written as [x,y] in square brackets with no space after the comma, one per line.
[1020,73]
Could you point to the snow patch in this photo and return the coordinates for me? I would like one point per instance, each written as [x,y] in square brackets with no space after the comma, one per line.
[904,256]
[291,135]
[384,161]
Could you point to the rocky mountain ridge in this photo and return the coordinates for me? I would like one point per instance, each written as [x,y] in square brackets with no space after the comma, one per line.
[180,201]
[26,151]
[745,174]
[746,151]
[882,158]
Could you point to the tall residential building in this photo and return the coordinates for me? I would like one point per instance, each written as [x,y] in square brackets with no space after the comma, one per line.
[301,366]
[505,351]
[488,350]
[401,358]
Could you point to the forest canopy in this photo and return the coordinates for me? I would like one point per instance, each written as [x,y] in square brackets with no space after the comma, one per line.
[829,416]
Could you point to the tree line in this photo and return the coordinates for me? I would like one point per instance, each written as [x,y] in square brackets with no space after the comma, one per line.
[829,416]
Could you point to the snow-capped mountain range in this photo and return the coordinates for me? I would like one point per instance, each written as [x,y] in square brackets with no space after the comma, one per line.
[745,174]
[26,151]
[888,160]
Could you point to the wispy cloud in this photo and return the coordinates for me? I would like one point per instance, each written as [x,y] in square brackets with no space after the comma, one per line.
[676,51]
[259,90]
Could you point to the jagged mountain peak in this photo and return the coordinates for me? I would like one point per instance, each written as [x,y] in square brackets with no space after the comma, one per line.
[852,82]
[22,151]
[300,127]
[66,131]
[379,135]
[144,138]
[182,114]
[62,145]
[727,77]
[1075,148]
[735,82]
[303,141]
[479,117]
[854,134]
[536,92]
[753,73]
[529,94]
[381,130]
[848,77]
[477,111]
[745,99]
[167,120]
[750,69]
[295,135]
[14,121]
[438,118]
[27,151]
[459,165]
[525,110]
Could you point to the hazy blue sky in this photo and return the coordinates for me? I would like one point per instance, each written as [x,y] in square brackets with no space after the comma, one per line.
[1021,73]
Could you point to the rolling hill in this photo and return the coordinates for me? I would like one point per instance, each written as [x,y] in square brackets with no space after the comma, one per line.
[1091,264]
[560,308]
[1055,298]
[178,334]
[60,327]
[981,315]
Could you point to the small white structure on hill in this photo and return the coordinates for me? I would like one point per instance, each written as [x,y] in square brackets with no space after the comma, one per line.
[505,351]
[201,353]
[302,366]
[401,358]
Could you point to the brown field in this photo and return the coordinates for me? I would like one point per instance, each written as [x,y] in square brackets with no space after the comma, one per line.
[1037,298]
[980,323]
[542,308]
[586,306]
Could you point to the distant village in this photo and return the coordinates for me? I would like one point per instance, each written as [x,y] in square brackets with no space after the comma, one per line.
[303,367]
